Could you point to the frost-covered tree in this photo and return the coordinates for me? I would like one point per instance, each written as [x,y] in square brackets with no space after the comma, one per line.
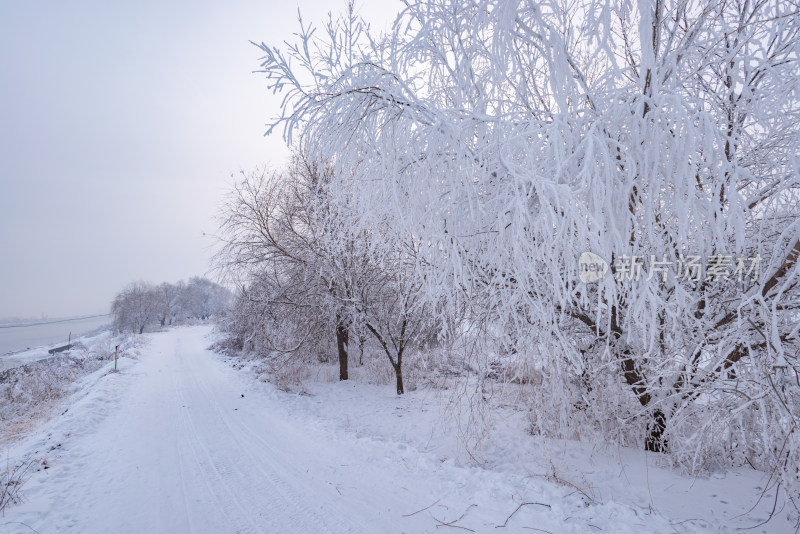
[391,308]
[136,307]
[172,298]
[201,298]
[274,228]
[507,138]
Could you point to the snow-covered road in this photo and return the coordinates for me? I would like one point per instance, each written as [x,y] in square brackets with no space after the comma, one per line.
[188,447]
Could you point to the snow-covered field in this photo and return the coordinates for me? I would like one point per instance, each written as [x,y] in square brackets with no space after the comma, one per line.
[180,441]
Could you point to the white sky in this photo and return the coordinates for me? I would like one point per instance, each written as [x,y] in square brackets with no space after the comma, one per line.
[120,125]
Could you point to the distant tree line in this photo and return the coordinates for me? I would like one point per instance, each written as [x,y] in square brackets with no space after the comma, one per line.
[142,304]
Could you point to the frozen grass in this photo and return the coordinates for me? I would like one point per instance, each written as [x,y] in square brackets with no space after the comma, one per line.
[32,392]
[11,480]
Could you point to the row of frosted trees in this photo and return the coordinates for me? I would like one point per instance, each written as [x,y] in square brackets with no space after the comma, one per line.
[141,304]
[451,173]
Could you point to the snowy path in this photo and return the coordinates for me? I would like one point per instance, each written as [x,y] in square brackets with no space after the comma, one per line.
[184,451]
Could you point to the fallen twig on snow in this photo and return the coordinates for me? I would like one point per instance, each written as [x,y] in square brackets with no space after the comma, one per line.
[452,523]
[418,511]
[517,510]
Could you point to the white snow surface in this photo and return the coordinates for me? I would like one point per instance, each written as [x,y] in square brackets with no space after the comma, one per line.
[179,441]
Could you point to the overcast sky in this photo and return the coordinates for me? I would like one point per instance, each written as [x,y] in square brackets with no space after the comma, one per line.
[120,125]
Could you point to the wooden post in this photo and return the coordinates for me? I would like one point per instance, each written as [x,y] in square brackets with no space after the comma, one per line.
[116,355]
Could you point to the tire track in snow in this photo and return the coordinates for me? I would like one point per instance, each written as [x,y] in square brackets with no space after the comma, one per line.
[242,438]
[194,461]
[215,478]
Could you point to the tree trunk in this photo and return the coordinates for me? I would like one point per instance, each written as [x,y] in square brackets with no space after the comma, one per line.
[398,372]
[342,338]
[141,329]
[655,441]
[398,369]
